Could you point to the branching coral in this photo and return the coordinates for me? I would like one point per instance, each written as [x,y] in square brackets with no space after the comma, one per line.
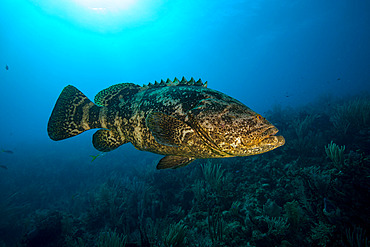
[351,116]
[198,190]
[108,205]
[112,239]
[336,154]
[213,174]
[319,181]
[216,228]
[321,233]
[176,235]
[294,213]
[277,225]
[271,209]
[302,127]
[235,208]
[356,237]
[306,138]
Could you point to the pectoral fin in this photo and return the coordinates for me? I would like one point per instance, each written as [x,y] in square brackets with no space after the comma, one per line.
[106,140]
[168,130]
[174,162]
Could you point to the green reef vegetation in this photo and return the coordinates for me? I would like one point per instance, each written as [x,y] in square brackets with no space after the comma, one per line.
[314,191]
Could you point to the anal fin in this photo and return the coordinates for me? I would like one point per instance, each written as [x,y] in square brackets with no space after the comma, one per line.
[174,162]
[106,140]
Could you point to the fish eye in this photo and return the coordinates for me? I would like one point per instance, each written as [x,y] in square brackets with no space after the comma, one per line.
[259,117]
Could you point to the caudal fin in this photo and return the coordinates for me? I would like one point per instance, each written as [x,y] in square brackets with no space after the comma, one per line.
[73,114]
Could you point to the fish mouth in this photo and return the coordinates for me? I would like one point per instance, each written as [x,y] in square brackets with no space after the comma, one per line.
[271,139]
[270,131]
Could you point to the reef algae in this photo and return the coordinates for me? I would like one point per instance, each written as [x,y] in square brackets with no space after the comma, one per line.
[183,120]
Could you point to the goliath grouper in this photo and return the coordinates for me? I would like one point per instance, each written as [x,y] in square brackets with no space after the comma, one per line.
[183,120]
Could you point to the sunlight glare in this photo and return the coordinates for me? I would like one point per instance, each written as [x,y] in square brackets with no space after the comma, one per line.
[106,5]
[103,15]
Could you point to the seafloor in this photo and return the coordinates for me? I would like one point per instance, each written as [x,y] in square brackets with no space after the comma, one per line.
[314,191]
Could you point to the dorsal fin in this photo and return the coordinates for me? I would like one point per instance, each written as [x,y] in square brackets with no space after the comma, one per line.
[183,81]
[121,92]
[115,94]
[176,82]
[192,81]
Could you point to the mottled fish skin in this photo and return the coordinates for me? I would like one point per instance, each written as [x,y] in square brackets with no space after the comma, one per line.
[176,102]
[179,119]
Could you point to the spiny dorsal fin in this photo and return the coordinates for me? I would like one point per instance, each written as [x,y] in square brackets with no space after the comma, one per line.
[198,83]
[176,82]
[115,94]
[183,81]
[191,82]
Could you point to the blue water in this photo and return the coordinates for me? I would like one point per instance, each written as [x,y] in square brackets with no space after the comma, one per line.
[261,52]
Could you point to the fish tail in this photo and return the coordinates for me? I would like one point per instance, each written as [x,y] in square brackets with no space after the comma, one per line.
[73,114]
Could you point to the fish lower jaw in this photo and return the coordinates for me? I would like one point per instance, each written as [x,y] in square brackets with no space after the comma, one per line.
[272,140]
[280,140]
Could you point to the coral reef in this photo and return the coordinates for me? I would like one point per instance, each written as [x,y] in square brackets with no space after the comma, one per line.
[311,192]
